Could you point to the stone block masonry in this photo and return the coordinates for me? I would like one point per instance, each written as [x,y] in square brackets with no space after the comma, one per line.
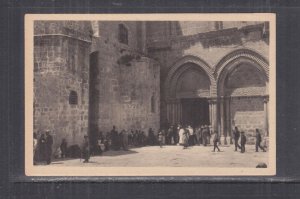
[61,81]
[126,87]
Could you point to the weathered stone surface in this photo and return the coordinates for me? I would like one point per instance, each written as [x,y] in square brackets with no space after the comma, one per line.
[117,83]
[61,66]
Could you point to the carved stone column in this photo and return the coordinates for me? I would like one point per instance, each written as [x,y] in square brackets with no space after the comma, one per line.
[221,125]
[228,121]
[169,118]
[266,115]
[213,113]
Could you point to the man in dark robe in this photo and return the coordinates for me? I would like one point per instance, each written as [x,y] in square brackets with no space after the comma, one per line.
[169,136]
[85,149]
[114,139]
[258,141]
[243,142]
[151,137]
[236,136]
[49,143]
[216,139]
[205,134]
[41,151]
[63,148]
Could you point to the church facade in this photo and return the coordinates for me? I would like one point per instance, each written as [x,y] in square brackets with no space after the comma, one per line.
[91,75]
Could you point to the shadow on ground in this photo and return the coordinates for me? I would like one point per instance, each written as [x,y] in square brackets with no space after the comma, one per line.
[118,153]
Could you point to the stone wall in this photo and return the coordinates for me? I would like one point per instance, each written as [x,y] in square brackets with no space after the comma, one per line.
[248,114]
[201,40]
[61,66]
[124,82]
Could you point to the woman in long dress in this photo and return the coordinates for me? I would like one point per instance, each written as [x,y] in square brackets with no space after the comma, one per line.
[185,138]
[180,133]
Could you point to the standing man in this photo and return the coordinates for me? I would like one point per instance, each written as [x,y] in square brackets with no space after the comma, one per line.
[191,135]
[63,148]
[49,143]
[258,141]
[216,140]
[243,142]
[85,149]
[236,136]
[114,139]
[204,135]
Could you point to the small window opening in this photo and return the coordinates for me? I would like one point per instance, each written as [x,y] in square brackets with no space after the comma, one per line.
[73,98]
[153,104]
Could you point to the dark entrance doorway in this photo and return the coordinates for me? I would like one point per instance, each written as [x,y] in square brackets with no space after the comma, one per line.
[195,111]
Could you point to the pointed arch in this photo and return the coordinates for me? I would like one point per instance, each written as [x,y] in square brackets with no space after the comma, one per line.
[179,67]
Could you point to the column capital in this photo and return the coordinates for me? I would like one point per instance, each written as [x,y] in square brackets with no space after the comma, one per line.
[221,98]
[212,100]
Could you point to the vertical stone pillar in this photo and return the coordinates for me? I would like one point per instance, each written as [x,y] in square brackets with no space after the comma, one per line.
[173,112]
[266,115]
[213,113]
[228,120]
[176,111]
[179,112]
[210,113]
[168,111]
[222,121]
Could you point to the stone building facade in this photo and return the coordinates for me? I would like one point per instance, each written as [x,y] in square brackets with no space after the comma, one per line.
[213,73]
[90,75]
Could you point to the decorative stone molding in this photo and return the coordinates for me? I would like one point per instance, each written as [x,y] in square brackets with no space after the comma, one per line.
[247,54]
[179,67]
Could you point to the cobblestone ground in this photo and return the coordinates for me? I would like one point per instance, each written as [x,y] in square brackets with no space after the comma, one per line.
[174,156]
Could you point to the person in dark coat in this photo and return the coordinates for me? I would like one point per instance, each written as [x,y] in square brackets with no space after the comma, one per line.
[63,148]
[85,149]
[151,137]
[114,139]
[216,139]
[243,142]
[41,150]
[169,135]
[258,141]
[49,143]
[236,136]
[205,135]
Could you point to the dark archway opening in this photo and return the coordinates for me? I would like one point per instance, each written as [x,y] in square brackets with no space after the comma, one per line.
[195,111]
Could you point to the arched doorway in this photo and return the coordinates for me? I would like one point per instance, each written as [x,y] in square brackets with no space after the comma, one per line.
[187,92]
[243,94]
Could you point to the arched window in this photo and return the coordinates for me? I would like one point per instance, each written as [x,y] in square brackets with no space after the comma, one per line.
[73,98]
[123,34]
[153,104]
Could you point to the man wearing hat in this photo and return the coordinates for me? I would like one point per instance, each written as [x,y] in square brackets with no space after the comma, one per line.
[243,142]
[85,150]
[48,143]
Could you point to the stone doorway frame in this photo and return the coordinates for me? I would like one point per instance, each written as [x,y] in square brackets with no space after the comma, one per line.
[173,104]
[225,66]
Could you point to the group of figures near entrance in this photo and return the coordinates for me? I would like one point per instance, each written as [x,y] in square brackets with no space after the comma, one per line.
[188,136]
[185,136]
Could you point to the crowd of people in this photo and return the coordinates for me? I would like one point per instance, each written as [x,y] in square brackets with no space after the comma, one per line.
[184,136]
[42,147]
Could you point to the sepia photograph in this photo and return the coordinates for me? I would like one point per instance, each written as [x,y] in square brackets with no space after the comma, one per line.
[150,95]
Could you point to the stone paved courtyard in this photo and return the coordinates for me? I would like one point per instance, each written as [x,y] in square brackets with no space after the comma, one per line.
[173,156]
